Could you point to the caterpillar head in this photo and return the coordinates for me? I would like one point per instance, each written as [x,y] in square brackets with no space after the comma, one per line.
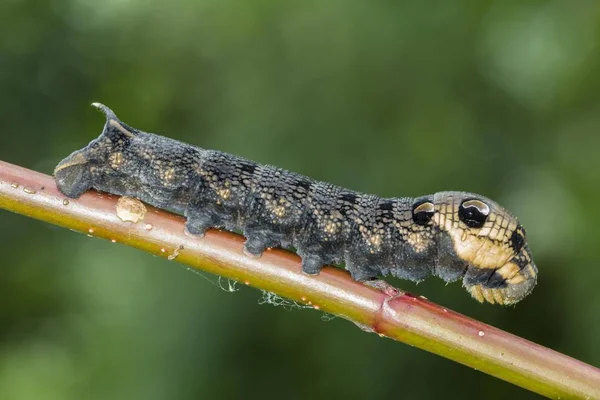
[104,156]
[488,243]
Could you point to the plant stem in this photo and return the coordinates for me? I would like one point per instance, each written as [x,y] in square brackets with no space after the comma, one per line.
[406,318]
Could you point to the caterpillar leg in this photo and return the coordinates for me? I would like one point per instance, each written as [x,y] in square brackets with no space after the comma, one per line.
[258,241]
[360,272]
[315,257]
[256,244]
[198,223]
[195,228]
[312,265]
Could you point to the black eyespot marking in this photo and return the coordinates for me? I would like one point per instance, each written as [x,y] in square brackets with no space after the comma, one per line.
[304,184]
[517,241]
[495,281]
[248,168]
[349,198]
[423,212]
[386,206]
[473,213]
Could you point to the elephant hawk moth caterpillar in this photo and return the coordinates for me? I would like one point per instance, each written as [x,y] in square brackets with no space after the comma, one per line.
[452,235]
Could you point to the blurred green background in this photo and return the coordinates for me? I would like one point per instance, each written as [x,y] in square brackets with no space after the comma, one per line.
[398,98]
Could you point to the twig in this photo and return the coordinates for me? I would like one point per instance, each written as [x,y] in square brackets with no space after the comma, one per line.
[406,318]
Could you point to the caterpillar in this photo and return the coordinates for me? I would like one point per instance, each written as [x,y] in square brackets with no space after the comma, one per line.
[451,235]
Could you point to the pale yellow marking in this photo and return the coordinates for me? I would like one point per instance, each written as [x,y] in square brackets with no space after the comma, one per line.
[476,293]
[76,159]
[488,295]
[116,160]
[494,234]
[168,175]
[478,250]
[498,296]
[425,207]
[503,235]
[121,128]
[516,279]
[441,219]
[147,154]
[417,242]
[479,205]
[498,222]
[485,231]
[224,193]
[330,227]
[279,211]
[441,216]
[508,270]
[375,240]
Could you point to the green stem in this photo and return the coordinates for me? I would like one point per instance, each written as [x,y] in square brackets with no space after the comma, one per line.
[406,318]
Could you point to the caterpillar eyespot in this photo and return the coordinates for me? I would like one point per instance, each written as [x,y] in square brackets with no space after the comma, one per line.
[452,235]
[474,213]
[423,212]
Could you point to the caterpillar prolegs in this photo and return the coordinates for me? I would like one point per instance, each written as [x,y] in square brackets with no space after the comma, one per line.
[452,235]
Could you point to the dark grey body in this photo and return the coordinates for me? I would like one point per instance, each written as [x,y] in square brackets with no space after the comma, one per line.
[327,224]
[305,206]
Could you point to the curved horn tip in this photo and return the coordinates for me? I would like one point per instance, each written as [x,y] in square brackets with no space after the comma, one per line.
[107,111]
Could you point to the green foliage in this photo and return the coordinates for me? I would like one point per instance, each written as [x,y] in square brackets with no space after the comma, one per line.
[394,98]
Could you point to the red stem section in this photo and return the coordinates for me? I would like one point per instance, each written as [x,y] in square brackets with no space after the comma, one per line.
[406,318]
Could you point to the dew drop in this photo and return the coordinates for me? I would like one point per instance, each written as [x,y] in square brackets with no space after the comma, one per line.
[29,190]
[464,236]
[148,227]
[91,230]
[481,333]
[65,202]
[113,240]
[316,307]
[14,185]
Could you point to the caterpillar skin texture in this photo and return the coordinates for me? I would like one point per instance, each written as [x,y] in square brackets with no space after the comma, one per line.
[452,235]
